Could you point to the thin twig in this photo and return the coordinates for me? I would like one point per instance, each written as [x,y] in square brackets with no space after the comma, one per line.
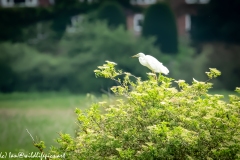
[207,80]
[107,92]
[34,142]
[30,135]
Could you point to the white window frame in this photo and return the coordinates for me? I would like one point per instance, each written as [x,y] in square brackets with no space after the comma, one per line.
[27,3]
[191,1]
[52,1]
[75,21]
[150,1]
[136,18]
[187,22]
[31,3]
[89,1]
[204,1]
[143,2]
[7,3]
[197,1]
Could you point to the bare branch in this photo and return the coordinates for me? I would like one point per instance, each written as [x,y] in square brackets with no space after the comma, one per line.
[30,135]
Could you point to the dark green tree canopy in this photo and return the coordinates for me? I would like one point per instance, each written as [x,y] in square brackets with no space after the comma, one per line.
[112,13]
[160,22]
[217,21]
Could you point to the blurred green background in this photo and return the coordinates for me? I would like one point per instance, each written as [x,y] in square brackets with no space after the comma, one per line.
[49,49]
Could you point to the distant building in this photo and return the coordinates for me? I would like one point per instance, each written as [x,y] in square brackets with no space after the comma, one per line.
[183,9]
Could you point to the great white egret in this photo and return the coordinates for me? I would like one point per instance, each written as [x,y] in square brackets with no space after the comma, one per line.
[152,63]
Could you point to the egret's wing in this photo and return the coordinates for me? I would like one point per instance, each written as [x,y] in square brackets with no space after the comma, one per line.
[153,63]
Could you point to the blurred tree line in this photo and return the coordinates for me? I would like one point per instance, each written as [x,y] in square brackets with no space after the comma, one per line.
[217,21]
[57,17]
[43,50]
[159,21]
[80,52]
[15,20]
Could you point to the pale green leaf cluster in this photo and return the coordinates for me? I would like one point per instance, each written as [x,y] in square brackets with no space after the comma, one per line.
[107,70]
[153,120]
[213,73]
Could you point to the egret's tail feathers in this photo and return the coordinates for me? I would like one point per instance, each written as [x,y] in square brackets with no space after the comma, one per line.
[165,70]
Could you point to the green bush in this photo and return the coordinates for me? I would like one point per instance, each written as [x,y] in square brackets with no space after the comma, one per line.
[152,120]
[9,79]
[79,53]
[160,22]
[112,13]
[40,35]
[92,43]
[34,70]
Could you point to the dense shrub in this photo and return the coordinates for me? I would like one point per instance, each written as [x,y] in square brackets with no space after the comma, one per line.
[79,53]
[153,120]
[8,80]
[91,43]
[160,22]
[34,70]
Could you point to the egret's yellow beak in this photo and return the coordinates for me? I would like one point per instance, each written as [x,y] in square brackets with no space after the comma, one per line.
[135,55]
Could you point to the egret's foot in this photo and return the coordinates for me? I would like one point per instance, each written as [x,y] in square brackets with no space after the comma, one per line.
[156,77]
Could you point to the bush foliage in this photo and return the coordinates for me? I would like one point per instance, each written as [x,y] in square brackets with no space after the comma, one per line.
[153,120]
[91,43]
[28,69]
[79,52]
[69,66]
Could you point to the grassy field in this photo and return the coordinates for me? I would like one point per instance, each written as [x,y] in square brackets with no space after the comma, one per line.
[43,114]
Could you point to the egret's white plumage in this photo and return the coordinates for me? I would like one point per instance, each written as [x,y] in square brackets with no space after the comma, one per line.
[152,63]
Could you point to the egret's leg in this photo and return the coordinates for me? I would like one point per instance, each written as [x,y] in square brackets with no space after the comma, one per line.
[155,76]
